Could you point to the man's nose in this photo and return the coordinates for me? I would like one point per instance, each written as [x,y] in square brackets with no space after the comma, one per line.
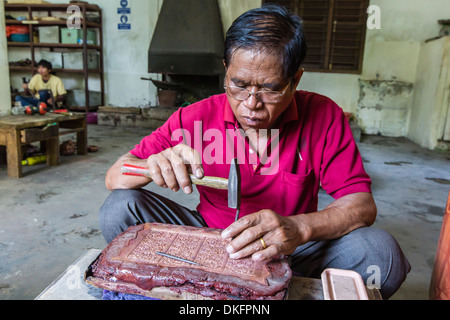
[252,102]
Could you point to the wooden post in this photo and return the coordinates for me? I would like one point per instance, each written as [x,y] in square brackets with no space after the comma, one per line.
[14,153]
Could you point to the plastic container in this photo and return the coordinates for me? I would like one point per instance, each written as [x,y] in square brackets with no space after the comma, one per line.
[343,285]
[92,118]
[20,37]
[16,29]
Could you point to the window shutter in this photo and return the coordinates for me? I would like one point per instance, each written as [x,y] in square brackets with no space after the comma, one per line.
[316,22]
[335,32]
[347,35]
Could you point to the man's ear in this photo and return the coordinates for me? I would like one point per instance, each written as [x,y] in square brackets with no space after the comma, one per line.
[225,65]
[298,76]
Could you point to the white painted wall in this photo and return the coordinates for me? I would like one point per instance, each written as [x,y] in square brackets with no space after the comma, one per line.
[431,101]
[231,9]
[391,53]
[5,96]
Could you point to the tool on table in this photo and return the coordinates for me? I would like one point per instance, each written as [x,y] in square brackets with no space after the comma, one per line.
[177,258]
[212,182]
[234,188]
[41,109]
[63,112]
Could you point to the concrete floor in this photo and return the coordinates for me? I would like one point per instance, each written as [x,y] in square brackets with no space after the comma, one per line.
[48,219]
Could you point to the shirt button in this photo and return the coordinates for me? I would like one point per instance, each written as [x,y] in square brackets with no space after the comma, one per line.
[251,151]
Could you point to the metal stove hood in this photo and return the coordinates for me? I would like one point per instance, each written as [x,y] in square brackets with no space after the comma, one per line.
[188,39]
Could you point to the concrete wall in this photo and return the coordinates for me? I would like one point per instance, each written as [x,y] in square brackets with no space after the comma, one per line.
[431,103]
[5,97]
[231,9]
[391,56]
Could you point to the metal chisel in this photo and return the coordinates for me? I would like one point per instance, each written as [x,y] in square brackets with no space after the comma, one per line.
[234,188]
[177,258]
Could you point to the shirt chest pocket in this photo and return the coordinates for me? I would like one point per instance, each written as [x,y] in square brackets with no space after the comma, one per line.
[287,193]
[298,180]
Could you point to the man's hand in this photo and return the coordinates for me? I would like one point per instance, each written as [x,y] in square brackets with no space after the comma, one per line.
[170,168]
[281,235]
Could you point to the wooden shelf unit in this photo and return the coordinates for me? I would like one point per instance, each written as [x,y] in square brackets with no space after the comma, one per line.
[33,24]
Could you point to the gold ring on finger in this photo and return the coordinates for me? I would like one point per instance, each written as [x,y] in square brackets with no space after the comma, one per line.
[263,243]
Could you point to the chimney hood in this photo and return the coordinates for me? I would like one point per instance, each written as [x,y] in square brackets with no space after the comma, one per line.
[188,39]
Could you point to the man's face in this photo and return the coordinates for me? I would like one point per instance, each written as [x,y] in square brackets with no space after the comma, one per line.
[43,71]
[258,71]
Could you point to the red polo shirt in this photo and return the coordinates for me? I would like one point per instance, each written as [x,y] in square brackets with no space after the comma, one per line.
[311,145]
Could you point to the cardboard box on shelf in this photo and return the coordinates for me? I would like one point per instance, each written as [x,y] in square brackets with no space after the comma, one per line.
[74,60]
[49,34]
[75,36]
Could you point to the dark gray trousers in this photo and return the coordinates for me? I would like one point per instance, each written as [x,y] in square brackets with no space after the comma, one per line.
[371,252]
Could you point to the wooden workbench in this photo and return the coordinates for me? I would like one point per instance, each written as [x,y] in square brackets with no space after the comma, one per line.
[19,130]
[70,285]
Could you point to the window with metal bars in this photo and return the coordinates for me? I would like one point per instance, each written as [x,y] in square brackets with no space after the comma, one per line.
[335,33]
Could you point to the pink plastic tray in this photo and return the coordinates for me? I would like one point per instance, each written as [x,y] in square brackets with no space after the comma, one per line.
[343,285]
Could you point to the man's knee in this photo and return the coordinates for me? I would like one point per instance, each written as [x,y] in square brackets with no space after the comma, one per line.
[118,201]
[385,266]
[116,214]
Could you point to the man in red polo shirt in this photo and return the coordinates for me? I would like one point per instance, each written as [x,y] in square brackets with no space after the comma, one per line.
[288,144]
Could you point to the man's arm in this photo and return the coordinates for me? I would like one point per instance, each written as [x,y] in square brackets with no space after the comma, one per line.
[59,98]
[27,90]
[168,169]
[116,180]
[283,235]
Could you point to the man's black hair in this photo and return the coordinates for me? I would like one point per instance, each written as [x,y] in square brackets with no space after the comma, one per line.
[45,64]
[270,28]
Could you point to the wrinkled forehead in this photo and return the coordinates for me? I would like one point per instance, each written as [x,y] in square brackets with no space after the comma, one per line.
[256,59]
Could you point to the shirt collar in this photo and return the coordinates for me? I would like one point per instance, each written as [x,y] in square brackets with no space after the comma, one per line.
[228,114]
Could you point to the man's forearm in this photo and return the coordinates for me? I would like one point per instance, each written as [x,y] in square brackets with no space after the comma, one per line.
[60,98]
[339,218]
[28,92]
[116,180]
